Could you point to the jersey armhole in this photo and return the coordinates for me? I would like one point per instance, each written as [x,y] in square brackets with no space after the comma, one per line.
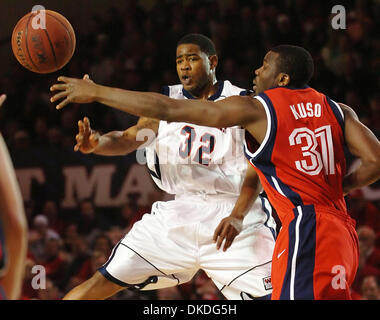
[337,110]
[268,131]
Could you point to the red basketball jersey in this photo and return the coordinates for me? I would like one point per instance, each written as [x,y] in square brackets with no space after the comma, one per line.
[301,160]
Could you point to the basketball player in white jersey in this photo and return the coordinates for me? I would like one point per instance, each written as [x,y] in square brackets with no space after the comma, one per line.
[204,168]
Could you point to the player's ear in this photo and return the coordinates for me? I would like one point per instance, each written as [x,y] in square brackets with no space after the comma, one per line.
[213,59]
[283,79]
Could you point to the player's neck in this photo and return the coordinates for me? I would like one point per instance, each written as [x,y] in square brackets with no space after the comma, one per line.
[208,91]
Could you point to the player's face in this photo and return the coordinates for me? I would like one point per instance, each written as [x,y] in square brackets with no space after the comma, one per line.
[193,68]
[266,75]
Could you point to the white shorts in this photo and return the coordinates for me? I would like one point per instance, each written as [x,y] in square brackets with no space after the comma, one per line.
[169,245]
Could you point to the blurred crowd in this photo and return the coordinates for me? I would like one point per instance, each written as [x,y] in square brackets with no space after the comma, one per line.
[134,49]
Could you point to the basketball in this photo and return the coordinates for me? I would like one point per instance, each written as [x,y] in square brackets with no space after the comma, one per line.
[43,41]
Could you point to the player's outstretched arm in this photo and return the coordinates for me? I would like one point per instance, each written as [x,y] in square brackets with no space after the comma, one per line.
[14,225]
[225,113]
[2,99]
[363,144]
[231,226]
[114,143]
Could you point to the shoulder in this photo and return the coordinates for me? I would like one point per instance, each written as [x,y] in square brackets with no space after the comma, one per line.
[349,115]
[249,107]
[347,111]
[231,90]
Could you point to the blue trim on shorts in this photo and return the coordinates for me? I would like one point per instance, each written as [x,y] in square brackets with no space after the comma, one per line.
[303,285]
[269,215]
[111,278]
[138,286]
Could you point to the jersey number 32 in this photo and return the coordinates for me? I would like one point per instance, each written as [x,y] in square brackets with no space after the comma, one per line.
[206,145]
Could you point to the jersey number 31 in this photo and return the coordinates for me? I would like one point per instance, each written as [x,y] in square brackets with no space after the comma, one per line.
[317,150]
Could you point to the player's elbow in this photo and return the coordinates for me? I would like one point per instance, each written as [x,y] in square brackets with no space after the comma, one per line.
[373,160]
[16,222]
[376,163]
[374,156]
[20,224]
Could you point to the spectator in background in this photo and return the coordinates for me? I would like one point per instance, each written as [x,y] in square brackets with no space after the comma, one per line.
[205,289]
[51,212]
[28,292]
[39,235]
[370,288]
[130,213]
[374,104]
[89,222]
[83,262]
[115,233]
[102,243]
[70,237]
[55,260]
[93,263]
[78,255]
[51,291]
[21,141]
[369,256]
[171,293]
[363,211]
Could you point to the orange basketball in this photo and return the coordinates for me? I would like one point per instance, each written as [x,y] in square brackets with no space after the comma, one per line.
[43,41]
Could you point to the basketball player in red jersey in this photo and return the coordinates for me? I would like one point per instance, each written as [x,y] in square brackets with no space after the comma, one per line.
[300,162]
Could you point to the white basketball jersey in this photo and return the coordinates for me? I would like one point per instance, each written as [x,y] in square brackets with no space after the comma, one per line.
[190,159]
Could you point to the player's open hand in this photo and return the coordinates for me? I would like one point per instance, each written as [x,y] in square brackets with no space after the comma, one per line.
[73,90]
[227,230]
[2,99]
[87,139]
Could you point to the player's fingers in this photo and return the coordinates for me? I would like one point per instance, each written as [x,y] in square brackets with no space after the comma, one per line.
[227,244]
[80,127]
[65,79]
[222,236]
[76,147]
[63,103]
[217,231]
[59,96]
[79,138]
[58,86]
[229,239]
[86,77]
[86,121]
[219,242]
[86,125]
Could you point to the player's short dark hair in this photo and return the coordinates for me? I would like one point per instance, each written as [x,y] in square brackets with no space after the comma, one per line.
[205,43]
[297,62]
